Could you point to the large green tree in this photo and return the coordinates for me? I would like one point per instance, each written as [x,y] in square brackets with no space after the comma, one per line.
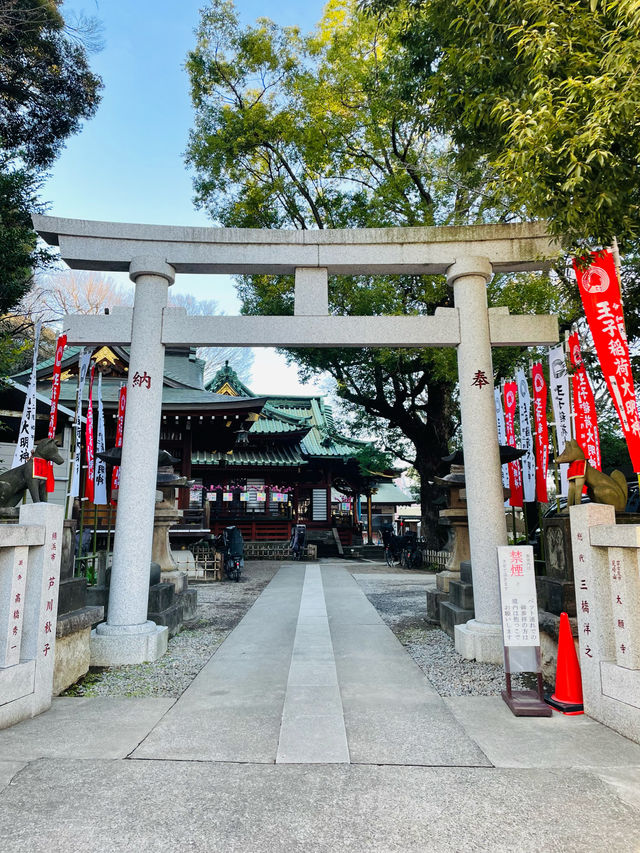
[315,132]
[46,90]
[547,92]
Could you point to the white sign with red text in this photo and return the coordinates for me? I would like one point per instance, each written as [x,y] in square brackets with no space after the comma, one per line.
[518,596]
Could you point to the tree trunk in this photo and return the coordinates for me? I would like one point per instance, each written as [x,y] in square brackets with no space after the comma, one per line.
[429,452]
[433,533]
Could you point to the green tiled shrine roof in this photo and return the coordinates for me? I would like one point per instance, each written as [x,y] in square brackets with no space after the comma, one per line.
[285,456]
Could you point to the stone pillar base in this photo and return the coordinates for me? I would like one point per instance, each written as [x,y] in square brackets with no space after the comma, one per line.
[480,641]
[443,579]
[177,578]
[123,648]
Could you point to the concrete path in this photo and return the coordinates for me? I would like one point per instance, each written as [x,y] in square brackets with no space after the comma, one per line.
[284,688]
[311,729]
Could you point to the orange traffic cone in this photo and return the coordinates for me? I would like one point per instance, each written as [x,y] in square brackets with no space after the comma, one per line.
[567,696]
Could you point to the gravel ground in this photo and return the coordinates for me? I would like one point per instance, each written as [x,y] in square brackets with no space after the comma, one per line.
[397,594]
[220,607]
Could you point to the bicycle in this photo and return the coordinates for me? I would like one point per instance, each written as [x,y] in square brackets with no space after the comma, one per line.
[412,558]
[392,555]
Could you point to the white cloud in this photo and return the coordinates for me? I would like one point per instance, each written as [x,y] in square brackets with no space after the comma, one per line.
[271,375]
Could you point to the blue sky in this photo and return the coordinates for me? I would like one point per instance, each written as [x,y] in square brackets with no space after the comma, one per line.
[127,163]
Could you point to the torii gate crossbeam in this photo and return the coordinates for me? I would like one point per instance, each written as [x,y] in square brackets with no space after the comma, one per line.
[154,254]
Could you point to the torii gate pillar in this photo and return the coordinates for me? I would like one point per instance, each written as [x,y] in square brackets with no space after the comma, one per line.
[128,636]
[480,638]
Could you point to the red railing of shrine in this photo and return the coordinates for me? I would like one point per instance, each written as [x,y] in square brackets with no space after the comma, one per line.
[264,531]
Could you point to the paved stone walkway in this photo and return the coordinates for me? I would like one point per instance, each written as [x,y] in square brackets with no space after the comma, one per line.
[311,729]
[286,688]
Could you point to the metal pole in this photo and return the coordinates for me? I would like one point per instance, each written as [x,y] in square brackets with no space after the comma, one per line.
[72,453]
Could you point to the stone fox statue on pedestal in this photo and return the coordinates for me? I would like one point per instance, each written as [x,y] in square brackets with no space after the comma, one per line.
[601,488]
[15,482]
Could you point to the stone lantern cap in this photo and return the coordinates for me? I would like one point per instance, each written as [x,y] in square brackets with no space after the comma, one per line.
[507,454]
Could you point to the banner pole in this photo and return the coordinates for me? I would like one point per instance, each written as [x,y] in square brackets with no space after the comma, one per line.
[615,251]
[72,453]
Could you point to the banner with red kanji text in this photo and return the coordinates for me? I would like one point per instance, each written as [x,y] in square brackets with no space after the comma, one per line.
[115,475]
[55,385]
[55,397]
[584,406]
[89,487]
[502,435]
[601,298]
[85,360]
[541,430]
[100,468]
[515,472]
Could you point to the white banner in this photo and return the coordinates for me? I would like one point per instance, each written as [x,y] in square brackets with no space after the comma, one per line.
[100,494]
[526,438]
[27,432]
[561,402]
[85,359]
[502,433]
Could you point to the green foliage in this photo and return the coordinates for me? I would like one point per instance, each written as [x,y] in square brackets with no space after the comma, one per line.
[46,87]
[18,242]
[373,461]
[547,92]
[613,447]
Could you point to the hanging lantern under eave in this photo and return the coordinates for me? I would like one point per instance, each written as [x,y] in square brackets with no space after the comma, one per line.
[242,437]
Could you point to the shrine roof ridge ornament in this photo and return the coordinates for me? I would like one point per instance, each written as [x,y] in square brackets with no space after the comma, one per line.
[110,246]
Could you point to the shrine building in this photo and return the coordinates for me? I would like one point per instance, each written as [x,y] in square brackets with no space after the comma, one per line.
[262,463]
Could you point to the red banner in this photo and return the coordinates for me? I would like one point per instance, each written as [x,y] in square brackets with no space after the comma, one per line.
[55,385]
[115,476]
[55,396]
[542,432]
[89,486]
[584,406]
[515,472]
[600,292]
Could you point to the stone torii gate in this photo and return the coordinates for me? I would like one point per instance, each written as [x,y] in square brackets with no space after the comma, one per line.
[152,255]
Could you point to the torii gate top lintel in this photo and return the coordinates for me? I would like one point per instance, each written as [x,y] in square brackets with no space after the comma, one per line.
[110,246]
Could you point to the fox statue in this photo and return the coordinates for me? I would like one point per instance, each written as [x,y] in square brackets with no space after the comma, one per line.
[15,482]
[601,488]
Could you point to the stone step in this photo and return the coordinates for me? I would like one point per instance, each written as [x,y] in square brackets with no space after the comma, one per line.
[98,596]
[72,595]
[556,596]
[452,615]
[161,596]
[434,597]
[189,601]
[171,617]
[461,594]
[372,552]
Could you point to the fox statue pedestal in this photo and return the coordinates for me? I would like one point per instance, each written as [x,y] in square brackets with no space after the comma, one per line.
[556,589]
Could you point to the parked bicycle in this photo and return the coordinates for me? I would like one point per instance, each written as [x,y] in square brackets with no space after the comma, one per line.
[410,553]
[233,552]
[392,547]
[412,556]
